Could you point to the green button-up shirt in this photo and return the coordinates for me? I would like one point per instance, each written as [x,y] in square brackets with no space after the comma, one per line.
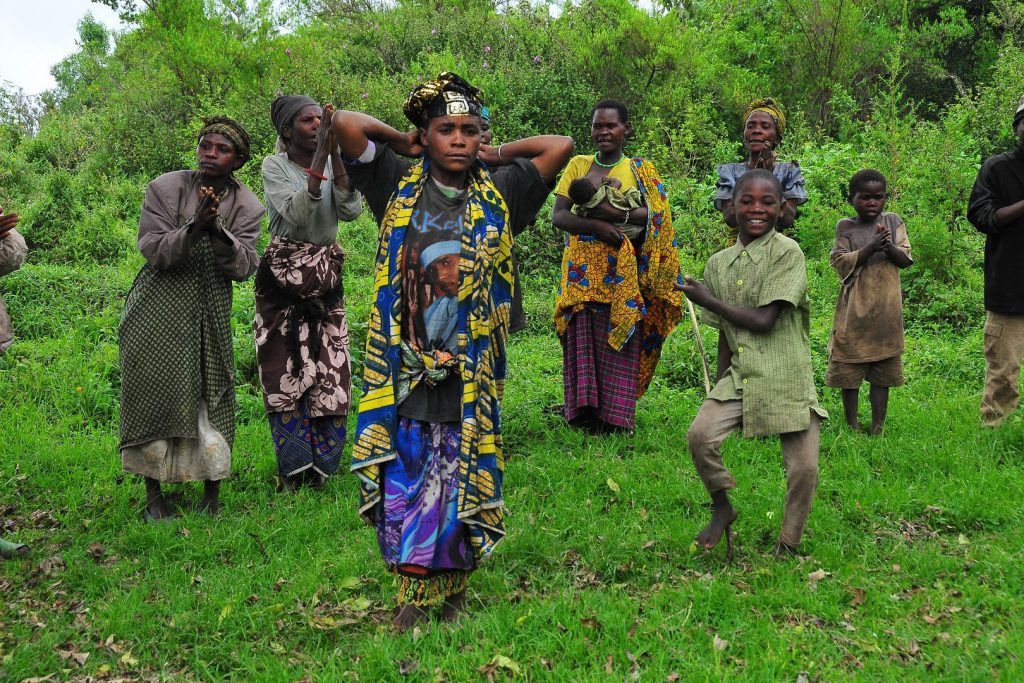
[771,373]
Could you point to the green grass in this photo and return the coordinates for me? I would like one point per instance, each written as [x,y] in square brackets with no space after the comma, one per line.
[918,532]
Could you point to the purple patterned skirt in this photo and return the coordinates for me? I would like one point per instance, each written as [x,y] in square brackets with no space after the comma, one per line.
[419,533]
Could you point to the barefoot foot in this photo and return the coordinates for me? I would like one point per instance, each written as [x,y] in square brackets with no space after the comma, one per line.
[407,617]
[784,550]
[156,505]
[454,606]
[722,517]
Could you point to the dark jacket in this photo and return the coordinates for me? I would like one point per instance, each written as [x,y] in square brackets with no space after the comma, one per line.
[1000,183]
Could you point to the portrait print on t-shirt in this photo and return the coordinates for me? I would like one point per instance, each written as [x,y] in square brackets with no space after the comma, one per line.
[431,277]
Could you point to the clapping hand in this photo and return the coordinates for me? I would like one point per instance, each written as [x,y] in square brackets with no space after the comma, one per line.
[766,157]
[882,238]
[325,133]
[207,211]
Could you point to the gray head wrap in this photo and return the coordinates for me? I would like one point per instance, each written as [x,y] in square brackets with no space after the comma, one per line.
[285,108]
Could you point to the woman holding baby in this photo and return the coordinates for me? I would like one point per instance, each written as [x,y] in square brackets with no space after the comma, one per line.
[616,302]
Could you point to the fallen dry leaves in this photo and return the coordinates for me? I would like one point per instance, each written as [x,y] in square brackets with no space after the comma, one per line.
[500,664]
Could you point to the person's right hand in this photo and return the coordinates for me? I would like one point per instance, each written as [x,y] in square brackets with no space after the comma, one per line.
[607,233]
[7,222]
[695,290]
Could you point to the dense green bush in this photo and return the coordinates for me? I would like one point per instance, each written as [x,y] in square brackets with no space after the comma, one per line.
[921,92]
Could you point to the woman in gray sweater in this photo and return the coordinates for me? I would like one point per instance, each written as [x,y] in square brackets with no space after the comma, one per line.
[302,344]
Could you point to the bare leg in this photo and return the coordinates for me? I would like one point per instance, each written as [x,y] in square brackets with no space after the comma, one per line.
[851,397]
[723,514]
[211,498]
[879,397]
[454,605]
[408,616]
[714,422]
[800,457]
[156,506]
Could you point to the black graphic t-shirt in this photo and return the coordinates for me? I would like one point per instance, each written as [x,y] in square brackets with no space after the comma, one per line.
[430,274]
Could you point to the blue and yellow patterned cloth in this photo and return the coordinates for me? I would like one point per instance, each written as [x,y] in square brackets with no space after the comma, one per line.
[485,294]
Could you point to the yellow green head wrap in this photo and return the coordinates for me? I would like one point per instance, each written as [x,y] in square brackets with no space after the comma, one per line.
[770,107]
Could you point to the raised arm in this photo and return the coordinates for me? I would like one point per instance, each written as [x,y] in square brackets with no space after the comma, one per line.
[353,130]
[549,153]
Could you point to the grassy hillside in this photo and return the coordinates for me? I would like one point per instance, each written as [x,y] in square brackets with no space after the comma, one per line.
[913,548]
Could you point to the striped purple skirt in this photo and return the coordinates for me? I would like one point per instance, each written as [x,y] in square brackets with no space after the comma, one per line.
[599,381]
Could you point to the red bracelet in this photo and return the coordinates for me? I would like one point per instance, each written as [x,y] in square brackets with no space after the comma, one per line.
[313,173]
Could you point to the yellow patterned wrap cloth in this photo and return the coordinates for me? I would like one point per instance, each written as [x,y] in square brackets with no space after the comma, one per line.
[638,288]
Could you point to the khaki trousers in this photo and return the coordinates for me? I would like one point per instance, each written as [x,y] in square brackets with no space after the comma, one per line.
[1004,348]
[716,420]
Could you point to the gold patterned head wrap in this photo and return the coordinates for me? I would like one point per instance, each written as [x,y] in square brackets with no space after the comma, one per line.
[447,95]
[230,129]
[770,107]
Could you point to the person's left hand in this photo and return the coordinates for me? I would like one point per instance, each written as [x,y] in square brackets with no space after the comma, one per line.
[325,133]
[695,291]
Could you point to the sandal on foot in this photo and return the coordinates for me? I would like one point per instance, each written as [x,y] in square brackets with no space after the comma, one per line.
[10,550]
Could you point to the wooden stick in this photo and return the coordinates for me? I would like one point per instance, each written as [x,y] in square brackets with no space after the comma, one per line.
[700,346]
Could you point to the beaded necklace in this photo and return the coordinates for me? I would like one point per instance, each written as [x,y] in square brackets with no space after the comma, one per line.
[598,161]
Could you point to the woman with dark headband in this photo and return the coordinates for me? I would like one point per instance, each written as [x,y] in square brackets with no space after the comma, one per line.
[763,126]
[616,303]
[301,333]
[428,448]
[198,232]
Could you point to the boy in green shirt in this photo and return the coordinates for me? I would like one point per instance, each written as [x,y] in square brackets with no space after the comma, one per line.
[756,295]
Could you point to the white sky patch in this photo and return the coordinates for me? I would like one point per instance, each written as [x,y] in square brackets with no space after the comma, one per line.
[38,34]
